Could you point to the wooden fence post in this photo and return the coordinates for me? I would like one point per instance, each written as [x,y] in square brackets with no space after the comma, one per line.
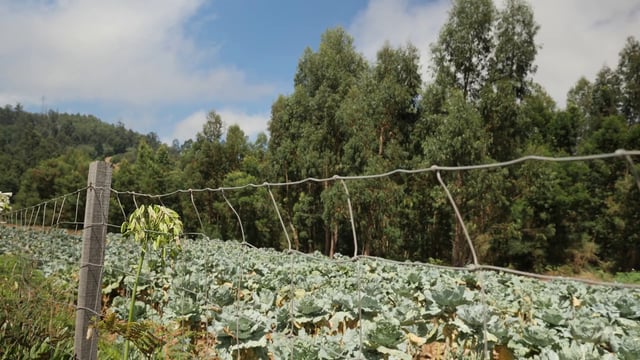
[92,259]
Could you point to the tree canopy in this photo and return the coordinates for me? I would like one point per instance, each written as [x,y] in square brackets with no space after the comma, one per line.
[350,116]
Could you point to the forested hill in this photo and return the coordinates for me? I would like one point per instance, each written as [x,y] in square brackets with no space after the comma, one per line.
[58,140]
[350,116]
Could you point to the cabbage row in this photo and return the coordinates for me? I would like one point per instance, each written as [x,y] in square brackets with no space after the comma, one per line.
[267,304]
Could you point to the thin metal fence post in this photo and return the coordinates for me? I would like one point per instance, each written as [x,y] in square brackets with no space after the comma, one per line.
[92,259]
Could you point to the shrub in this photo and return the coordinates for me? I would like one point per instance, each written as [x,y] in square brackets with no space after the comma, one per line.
[36,317]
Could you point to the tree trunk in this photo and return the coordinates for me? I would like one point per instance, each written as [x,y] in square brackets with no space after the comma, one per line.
[381,141]
[457,251]
[296,238]
[334,240]
[327,230]
[327,241]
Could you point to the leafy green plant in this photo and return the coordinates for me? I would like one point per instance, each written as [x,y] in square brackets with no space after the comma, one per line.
[4,201]
[152,227]
[256,304]
[632,277]
[35,322]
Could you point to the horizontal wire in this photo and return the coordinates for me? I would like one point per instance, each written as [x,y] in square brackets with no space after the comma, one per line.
[473,267]
[433,168]
[553,277]
[15,211]
[470,268]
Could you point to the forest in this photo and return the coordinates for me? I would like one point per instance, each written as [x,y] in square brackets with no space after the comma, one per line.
[349,116]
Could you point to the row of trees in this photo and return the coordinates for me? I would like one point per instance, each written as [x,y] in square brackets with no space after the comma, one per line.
[348,116]
[43,154]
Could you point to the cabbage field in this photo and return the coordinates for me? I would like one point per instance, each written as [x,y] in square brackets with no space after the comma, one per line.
[249,303]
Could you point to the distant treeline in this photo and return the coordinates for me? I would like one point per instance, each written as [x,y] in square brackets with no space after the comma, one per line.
[46,154]
[348,116]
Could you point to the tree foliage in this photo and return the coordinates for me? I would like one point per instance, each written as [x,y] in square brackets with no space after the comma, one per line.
[346,115]
[45,155]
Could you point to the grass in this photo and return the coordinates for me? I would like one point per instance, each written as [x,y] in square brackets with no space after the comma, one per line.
[595,273]
[36,318]
[632,277]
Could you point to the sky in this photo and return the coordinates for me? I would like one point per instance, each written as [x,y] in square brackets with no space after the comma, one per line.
[161,65]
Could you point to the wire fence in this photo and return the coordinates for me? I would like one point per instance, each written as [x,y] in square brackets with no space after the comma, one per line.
[65,211]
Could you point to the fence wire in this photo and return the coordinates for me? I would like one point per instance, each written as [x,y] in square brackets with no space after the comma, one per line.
[49,214]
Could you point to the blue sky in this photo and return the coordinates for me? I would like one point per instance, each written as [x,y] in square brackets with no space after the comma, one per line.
[161,65]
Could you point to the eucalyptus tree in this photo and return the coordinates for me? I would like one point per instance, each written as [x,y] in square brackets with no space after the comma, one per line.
[285,128]
[509,79]
[563,133]
[258,222]
[155,170]
[204,164]
[623,226]
[515,49]
[609,109]
[255,162]
[203,161]
[488,54]
[382,111]
[306,123]
[455,137]
[243,161]
[235,147]
[606,95]
[579,101]
[629,72]
[397,75]
[462,54]
[326,76]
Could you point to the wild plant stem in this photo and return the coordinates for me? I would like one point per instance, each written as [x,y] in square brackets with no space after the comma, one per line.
[132,305]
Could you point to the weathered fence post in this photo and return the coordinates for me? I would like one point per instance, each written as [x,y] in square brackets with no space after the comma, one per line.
[92,258]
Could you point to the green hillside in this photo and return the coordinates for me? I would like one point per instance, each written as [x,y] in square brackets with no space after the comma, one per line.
[349,116]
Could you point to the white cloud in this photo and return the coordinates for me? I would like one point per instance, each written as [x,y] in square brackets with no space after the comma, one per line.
[251,124]
[118,51]
[577,37]
[9,98]
[399,22]
[188,127]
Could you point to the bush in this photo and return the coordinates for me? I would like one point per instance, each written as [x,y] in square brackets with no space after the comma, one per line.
[36,318]
[632,277]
